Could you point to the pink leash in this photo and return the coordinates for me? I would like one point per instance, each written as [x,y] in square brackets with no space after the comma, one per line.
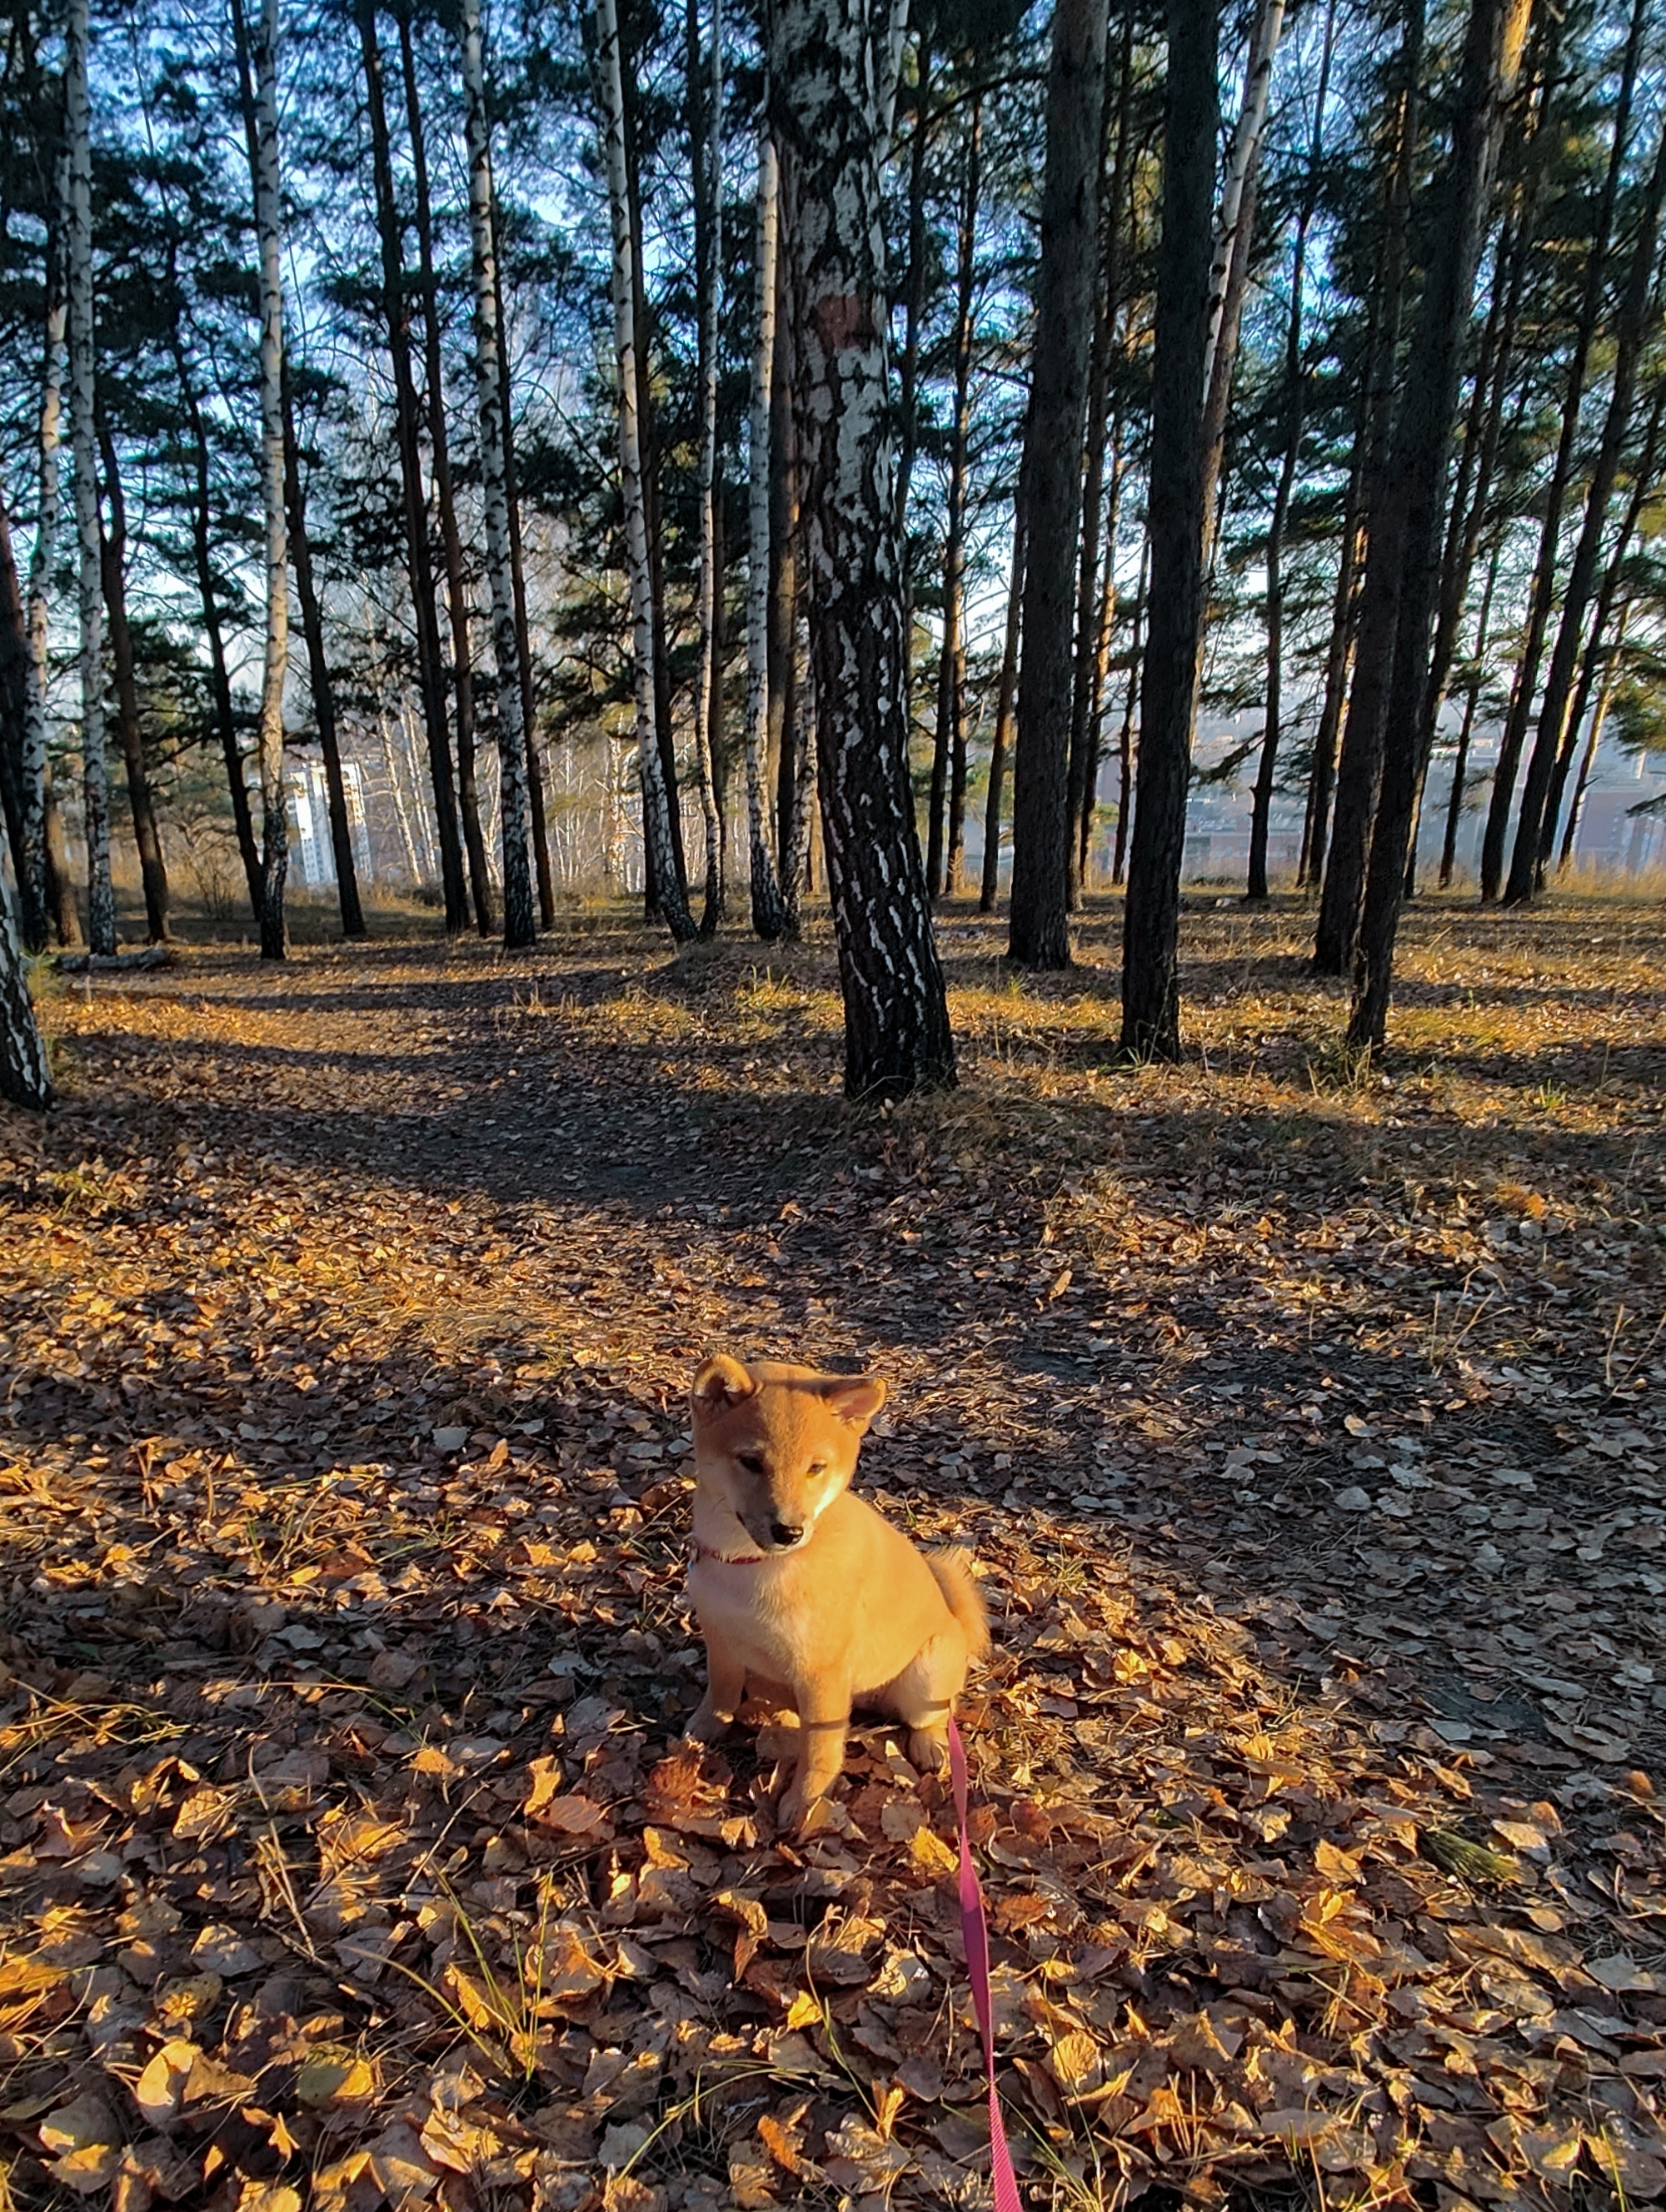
[975,1930]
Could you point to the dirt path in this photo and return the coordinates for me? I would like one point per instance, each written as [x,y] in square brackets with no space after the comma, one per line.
[1310,1436]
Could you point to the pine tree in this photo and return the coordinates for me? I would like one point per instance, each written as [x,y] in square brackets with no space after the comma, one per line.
[520,924]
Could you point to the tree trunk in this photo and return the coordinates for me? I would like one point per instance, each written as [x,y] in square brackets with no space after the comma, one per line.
[1125,739]
[1229,266]
[1100,664]
[202,536]
[24,1078]
[1006,693]
[320,680]
[1407,533]
[1338,659]
[946,850]
[1604,700]
[1360,768]
[1461,759]
[1631,334]
[535,809]
[768,916]
[658,801]
[1039,931]
[1090,597]
[274,821]
[29,845]
[419,561]
[112,560]
[16,684]
[1255,887]
[1643,488]
[462,662]
[647,448]
[705,152]
[826,64]
[95,776]
[1591,311]
[913,305]
[520,922]
[787,718]
[1178,510]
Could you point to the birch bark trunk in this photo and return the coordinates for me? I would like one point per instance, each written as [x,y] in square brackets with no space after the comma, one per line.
[30,851]
[707,151]
[828,63]
[274,824]
[657,836]
[83,377]
[1178,512]
[24,1078]
[769,915]
[1039,931]
[520,922]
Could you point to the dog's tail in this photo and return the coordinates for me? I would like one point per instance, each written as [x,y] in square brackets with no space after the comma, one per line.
[953,1570]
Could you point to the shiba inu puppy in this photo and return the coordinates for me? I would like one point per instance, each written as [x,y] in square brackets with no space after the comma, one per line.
[804,1593]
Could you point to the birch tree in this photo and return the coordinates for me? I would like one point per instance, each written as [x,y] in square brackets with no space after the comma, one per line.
[520,922]
[30,850]
[268,220]
[24,1078]
[829,64]
[768,916]
[95,775]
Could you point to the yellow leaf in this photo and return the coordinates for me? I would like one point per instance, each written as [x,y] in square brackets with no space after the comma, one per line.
[328,2079]
[930,1854]
[160,2090]
[804,2011]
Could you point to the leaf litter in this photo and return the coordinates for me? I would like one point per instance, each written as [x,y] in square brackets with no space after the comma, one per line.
[1307,1434]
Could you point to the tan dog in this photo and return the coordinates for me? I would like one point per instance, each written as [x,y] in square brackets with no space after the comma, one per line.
[804,1593]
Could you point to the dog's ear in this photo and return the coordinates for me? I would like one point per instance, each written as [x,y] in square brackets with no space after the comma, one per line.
[719,1382]
[854,1398]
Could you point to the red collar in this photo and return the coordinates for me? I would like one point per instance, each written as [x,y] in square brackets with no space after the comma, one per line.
[727,1558]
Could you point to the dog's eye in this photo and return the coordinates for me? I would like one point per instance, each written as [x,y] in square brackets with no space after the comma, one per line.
[751,1462]
[819,1467]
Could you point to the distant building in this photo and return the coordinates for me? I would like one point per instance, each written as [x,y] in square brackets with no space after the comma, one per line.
[309,823]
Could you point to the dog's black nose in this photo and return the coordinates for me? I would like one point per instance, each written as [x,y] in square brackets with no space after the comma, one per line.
[784,1533]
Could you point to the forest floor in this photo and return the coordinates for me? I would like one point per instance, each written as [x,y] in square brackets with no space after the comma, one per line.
[1309,1432]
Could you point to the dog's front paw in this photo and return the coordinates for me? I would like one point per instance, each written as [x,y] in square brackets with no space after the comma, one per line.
[707,1725]
[803,1808]
[928,1749]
